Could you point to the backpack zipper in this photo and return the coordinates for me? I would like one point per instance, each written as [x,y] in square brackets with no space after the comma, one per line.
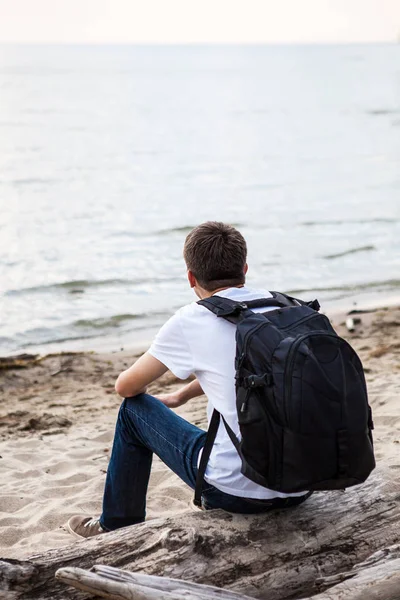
[243,407]
[259,326]
[268,321]
[246,341]
[290,359]
[287,374]
[303,320]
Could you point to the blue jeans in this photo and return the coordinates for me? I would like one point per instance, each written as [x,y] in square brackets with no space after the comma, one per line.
[146,426]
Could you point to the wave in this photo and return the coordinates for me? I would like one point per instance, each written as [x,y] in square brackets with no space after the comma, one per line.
[186,229]
[349,222]
[80,285]
[105,322]
[115,321]
[351,251]
[149,233]
[84,329]
[377,112]
[29,181]
[357,287]
[71,286]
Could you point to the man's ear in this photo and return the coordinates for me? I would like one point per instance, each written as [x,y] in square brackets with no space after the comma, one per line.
[191,279]
[246,268]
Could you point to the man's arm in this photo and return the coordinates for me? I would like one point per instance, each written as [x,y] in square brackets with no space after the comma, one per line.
[175,399]
[134,380]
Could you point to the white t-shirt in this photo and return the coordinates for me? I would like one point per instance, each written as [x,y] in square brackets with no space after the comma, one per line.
[195,341]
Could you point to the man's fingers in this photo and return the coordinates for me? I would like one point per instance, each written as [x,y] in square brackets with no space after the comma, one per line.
[170,400]
[167,400]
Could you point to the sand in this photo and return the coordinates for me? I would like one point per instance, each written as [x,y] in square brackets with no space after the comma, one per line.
[57,416]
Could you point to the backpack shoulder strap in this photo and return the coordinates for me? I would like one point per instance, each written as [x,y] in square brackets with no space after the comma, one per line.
[211,434]
[277,299]
[282,300]
[314,304]
[225,307]
[234,311]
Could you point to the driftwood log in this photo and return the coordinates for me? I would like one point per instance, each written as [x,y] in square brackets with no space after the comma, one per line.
[378,577]
[316,550]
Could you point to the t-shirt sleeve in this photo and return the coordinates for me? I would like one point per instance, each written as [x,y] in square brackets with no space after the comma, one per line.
[172,349]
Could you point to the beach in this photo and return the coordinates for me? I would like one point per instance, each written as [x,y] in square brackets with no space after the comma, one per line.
[58,414]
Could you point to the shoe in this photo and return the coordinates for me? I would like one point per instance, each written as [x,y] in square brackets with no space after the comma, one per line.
[84,527]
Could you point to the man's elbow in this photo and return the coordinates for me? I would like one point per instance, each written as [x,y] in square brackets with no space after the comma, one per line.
[126,389]
[122,389]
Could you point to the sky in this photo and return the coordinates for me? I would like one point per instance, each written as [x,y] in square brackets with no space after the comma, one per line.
[199,21]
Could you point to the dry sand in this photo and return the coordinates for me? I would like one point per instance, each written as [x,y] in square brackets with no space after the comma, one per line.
[57,416]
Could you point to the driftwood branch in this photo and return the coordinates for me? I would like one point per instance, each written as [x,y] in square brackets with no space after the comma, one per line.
[378,578]
[282,555]
[116,584]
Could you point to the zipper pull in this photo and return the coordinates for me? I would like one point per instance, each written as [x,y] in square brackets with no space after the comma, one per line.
[245,402]
[239,360]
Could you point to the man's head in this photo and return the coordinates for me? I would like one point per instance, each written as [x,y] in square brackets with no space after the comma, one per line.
[215,255]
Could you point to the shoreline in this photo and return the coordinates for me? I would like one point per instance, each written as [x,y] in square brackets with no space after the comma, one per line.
[57,421]
[335,310]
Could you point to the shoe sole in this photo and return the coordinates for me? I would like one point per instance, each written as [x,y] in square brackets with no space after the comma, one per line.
[68,528]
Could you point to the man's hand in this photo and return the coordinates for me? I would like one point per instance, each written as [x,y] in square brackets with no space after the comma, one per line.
[172,400]
[175,399]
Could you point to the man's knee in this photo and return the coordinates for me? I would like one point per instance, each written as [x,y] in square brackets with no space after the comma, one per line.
[132,411]
[138,405]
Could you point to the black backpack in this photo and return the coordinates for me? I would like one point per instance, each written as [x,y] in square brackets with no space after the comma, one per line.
[301,399]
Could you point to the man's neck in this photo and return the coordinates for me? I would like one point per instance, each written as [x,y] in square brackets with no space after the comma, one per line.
[202,293]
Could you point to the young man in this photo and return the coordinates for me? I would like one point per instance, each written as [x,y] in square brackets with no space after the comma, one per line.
[193,341]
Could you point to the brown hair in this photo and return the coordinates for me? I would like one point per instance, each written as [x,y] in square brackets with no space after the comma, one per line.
[216,254]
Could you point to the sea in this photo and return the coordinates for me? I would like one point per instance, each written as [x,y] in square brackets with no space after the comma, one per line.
[109,155]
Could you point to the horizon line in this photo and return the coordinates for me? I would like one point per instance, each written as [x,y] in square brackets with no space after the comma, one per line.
[202,43]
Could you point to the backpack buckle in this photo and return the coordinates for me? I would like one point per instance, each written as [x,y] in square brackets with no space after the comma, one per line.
[315,305]
[252,381]
[232,310]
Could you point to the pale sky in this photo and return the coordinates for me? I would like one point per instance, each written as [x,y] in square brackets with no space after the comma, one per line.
[199,21]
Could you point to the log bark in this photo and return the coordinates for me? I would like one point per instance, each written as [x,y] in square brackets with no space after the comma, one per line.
[117,584]
[281,555]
